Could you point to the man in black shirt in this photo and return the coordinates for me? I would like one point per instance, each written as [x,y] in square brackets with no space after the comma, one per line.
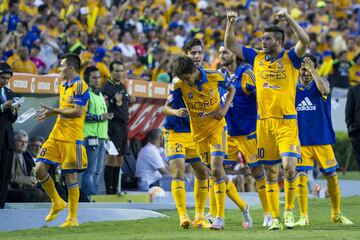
[117,100]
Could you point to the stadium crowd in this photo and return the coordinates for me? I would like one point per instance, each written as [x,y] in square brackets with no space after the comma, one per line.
[148,34]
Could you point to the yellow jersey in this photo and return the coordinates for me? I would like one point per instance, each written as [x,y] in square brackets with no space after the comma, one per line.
[354,75]
[276,80]
[71,129]
[202,100]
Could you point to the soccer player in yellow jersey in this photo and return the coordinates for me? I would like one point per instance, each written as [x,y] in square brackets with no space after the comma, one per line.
[199,89]
[180,148]
[64,146]
[276,73]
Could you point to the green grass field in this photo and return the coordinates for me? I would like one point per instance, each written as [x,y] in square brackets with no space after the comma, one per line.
[167,228]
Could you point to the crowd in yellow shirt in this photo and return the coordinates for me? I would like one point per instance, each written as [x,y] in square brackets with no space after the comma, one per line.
[75,25]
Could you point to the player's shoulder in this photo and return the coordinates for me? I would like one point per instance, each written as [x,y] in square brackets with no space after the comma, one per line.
[176,84]
[80,87]
[214,75]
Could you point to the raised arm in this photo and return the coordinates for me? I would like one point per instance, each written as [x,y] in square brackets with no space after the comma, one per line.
[321,84]
[303,38]
[229,39]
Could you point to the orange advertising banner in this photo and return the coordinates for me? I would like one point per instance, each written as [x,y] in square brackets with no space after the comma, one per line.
[49,84]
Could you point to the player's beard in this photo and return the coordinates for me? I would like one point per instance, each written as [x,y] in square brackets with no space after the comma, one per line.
[226,63]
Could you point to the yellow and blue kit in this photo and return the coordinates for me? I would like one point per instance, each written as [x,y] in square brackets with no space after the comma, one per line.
[178,137]
[202,100]
[276,79]
[65,143]
[241,117]
[316,132]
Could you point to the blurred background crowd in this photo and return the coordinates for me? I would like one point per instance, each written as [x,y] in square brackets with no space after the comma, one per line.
[147,34]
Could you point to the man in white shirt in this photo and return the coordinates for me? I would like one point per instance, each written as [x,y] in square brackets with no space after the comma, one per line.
[149,165]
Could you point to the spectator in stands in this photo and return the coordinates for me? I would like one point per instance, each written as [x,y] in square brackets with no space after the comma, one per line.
[95,132]
[23,181]
[352,119]
[40,65]
[118,100]
[23,64]
[150,166]
[34,147]
[339,79]
[8,115]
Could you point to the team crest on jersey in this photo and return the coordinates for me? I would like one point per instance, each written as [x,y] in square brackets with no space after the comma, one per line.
[261,63]
[279,64]
[190,95]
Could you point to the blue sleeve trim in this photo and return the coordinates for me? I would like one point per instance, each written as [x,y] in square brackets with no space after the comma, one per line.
[79,142]
[329,170]
[304,168]
[296,61]
[217,153]
[290,154]
[81,100]
[193,160]
[45,160]
[169,158]
[249,55]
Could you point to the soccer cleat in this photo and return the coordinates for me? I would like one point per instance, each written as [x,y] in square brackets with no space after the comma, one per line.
[55,209]
[185,222]
[218,224]
[247,220]
[289,220]
[200,223]
[69,223]
[303,221]
[341,219]
[267,220]
[275,225]
[210,219]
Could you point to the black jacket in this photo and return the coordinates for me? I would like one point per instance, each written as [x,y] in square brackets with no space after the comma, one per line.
[7,118]
[352,111]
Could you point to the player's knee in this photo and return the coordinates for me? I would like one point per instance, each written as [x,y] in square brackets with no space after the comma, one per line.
[330,174]
[178,173]
[216,172]
[71,178]
[258,172]
[40,171]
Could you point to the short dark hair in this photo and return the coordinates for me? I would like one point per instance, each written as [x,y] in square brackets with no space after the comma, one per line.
[37,139]
[191,43]
[88,71]
[153,135]
[182,65]
[116,62]
[73,60]
[313,58]
[278,32]
[5,68]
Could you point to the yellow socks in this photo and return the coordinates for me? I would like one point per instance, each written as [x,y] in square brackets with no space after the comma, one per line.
[220,194]
[261,187]
[49,187]
[302,194]
[334,192]
[290,188]
[200,195]
[179,195]
[272,192]
[231,191]
[73,200]
[212,201]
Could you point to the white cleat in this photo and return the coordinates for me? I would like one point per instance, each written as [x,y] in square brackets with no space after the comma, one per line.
[218,224]
[210,219]
[267,221]
[247,220]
